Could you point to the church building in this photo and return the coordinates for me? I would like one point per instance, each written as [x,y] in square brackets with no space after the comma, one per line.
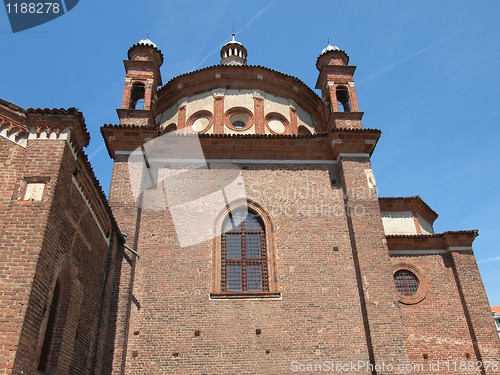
[242,234]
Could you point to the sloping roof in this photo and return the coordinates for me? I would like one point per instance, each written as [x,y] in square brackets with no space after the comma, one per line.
[213,67]
[416,198]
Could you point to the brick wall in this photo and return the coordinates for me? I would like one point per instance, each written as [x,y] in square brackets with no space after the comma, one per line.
[446,326]
[318,318]
[53,239]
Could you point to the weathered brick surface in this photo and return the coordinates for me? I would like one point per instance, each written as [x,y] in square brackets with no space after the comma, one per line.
[331,299]
[125,210]
[332,264]
[449,325]
[318,318]
[382,316]
[53,238]
[57,237]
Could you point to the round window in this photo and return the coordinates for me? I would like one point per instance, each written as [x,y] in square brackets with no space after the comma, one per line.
[276,126]
[238,120]
[406,282]
[276,123]
[200,124]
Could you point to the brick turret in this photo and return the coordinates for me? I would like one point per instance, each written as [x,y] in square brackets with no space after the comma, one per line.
[141,82]
[336,83]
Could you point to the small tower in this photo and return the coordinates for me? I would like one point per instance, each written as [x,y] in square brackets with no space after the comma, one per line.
[141,81]
[336,83]
[233,53]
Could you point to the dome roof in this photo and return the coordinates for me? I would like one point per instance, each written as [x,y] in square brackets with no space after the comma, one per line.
[147,42]
[233,41]
[332,55]
[330,48]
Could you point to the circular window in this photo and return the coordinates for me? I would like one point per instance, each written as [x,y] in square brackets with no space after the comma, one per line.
[239,118]
[277,123]
[406,282]
[200,122]
[411,284]
[276,126]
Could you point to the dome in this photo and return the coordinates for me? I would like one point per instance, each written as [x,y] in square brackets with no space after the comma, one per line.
[147,42]
[330,48]
[332,55]
[233,41]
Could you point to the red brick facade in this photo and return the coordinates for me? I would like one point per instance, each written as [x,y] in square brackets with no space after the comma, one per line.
[65,236]
[330,303]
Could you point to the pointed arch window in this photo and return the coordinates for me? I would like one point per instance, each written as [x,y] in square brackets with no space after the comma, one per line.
[244,255]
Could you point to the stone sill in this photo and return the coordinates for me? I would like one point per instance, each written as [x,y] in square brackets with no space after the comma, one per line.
[246,295]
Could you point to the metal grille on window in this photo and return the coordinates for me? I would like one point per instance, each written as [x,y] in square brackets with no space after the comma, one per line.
[244,254]
[406,282]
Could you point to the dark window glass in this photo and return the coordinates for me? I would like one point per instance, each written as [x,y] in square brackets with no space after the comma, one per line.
[406,282]
[243,254]
[239,124]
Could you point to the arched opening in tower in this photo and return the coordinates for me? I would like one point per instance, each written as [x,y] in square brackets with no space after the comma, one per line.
[137,96]
[343,98]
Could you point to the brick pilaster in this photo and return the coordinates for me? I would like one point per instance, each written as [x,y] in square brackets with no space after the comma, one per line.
[127,213]
[476,308]
[381,314]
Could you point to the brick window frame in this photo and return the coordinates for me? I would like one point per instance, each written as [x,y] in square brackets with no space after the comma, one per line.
[278,116]
[218,291]
[423,283]
[239,110]
[200,114]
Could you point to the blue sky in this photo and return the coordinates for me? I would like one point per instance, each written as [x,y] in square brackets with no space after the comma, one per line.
[427,77]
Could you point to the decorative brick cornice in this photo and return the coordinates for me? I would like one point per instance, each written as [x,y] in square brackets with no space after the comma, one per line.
[353,141]
[154,48]
[126,137]
[251,67]
[13,127]
[447,241]
[333,52]
[13,123]
[56,120]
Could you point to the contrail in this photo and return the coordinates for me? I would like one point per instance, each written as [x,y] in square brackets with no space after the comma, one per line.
[408,58]
[94,153]
[488,260]
[257,16]
[217,49]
